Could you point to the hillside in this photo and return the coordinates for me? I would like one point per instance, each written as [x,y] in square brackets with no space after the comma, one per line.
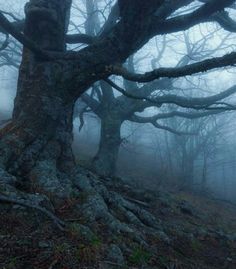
[192,232]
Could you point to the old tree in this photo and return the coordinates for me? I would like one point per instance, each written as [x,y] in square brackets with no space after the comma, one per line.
[35,147]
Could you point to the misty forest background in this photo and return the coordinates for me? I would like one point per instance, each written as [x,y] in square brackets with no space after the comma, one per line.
[173,152]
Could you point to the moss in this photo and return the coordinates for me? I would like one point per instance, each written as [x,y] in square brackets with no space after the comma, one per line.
[163,260]
[95,241]
[12,264]
[87,254]
[196,245]
[139,256]
[62,250]
[82,232]
[83,197]
[75,194]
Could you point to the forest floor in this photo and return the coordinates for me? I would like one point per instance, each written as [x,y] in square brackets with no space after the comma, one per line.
[196,232]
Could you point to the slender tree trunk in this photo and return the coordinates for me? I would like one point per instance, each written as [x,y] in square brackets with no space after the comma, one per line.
[187,169]
[170,175]
[189,172]
[105,159]
[204,172]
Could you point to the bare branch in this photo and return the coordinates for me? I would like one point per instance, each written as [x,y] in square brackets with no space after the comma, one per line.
[203,66]
[184,22]
[194,102]
[153,121]
[224,21]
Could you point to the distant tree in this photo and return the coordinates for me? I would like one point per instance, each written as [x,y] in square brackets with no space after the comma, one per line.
[113,110]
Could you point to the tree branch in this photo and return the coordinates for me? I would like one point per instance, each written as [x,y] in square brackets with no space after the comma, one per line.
[9,28]
[224,21]
[184,22]
[92,103]
[153,121]
[194,102]
[187,70]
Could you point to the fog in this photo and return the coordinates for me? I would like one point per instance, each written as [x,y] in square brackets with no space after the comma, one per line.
[148,155]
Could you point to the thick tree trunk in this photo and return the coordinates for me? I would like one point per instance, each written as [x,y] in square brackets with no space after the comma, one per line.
[40,135]
[36,145]
[105,160]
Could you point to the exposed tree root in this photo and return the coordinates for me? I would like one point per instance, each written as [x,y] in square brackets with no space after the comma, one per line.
[8,199]
[108,224]
[10,194]
[100,204]
[118,214]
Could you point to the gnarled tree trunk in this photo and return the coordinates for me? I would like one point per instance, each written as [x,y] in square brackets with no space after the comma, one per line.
[36,145]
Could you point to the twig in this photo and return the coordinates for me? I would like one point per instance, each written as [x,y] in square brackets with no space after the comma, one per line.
[113,263]
[138,202]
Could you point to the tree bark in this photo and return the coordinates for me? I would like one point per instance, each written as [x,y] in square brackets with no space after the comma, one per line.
[36,145]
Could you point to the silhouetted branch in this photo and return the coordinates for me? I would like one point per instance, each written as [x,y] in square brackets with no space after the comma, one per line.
[187,70]
[194,102]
